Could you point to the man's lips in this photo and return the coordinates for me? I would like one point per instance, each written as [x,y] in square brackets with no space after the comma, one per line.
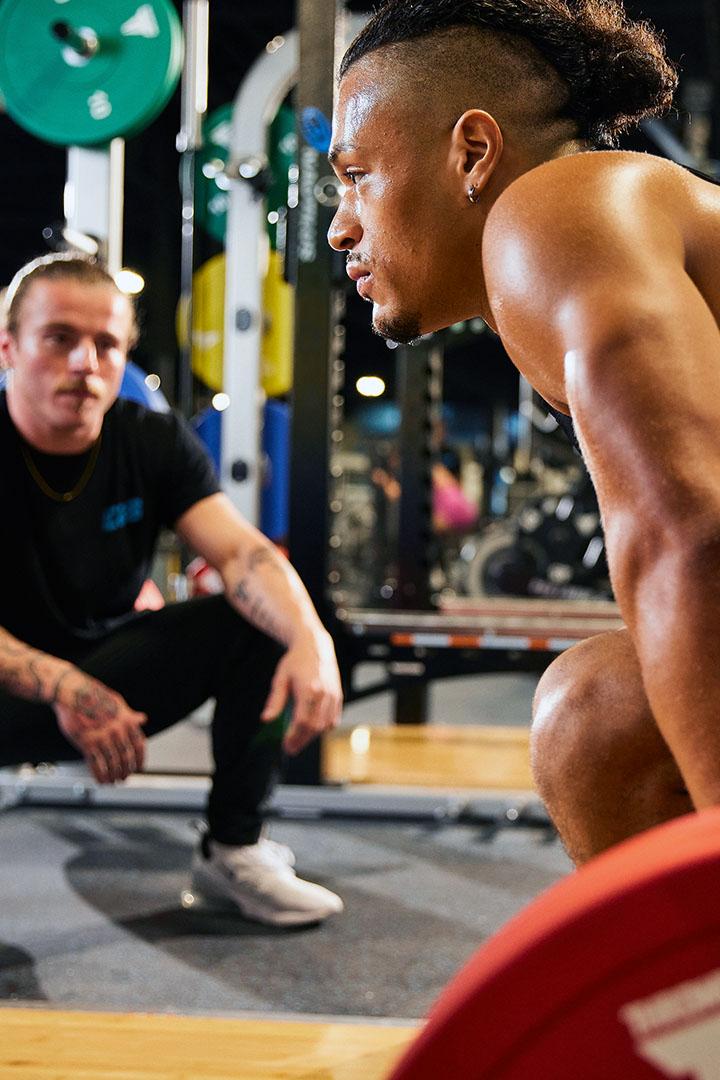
[362,278]
[355,271]
[80,392]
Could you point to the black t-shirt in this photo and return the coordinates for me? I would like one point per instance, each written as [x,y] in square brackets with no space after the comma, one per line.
[72,571]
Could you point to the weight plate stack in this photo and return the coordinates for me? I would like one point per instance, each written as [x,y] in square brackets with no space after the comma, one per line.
[83,72]
[211,186]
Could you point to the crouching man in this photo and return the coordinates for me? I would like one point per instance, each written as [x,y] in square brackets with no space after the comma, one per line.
[88,481]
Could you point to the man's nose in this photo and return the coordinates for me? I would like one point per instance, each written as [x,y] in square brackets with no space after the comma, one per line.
[83,358]
[345,232]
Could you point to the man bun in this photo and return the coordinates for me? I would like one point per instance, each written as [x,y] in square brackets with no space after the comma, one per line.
[621,74]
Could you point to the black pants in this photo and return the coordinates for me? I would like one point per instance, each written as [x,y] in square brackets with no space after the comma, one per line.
[167,663]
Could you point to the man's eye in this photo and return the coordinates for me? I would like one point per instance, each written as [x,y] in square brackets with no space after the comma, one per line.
[352,177]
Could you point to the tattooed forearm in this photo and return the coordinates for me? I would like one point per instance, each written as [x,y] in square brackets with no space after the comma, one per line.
[257,594]
[258,611]
[26,672]
[267,591]
[264,556]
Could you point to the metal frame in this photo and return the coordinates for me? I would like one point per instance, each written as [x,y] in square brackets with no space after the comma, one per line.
[72,786]
[94,199]
[262,92]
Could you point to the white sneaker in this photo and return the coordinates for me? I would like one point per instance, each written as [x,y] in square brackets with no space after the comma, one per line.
[259,880]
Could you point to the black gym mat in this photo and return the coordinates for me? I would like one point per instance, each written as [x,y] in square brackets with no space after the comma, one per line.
[91,916]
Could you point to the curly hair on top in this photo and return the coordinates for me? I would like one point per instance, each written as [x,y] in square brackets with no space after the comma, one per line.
[616,69]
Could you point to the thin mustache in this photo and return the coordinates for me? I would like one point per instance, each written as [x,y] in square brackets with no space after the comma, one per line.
[355,260]
[71,388]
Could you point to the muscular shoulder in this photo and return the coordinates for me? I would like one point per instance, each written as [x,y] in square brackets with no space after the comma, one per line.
[600,186]
[589,217]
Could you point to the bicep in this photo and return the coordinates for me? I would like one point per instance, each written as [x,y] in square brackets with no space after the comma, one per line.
[609,309]
[643,385]
[642,378]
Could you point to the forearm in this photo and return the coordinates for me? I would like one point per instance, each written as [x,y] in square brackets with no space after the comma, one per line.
[675,629]
[265,589]
[29,673]
[34,675]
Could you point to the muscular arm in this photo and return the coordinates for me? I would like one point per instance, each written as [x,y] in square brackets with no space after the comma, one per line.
[638,352]
[264,588]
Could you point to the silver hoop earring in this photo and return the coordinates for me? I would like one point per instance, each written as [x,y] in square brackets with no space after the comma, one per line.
[472,194]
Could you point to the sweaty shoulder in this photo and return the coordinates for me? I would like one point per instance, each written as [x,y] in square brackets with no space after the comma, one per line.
[588,221]
[592,204]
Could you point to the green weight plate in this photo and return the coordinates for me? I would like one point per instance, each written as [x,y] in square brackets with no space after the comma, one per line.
[61,96]
[211,188]
[282,152]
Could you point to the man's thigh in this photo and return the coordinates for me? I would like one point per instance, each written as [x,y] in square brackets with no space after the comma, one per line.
[166,663]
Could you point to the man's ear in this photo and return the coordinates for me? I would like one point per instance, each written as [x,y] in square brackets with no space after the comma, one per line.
[477,146]
[7,355]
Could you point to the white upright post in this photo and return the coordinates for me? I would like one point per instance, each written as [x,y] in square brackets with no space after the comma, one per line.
[256,104]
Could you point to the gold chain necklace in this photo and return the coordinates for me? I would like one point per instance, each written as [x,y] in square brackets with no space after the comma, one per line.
[62,496]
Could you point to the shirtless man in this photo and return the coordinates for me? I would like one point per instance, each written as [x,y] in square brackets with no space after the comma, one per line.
[461,138]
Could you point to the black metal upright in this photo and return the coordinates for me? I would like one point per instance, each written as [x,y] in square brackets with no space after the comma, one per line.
[419,394]
[317,341]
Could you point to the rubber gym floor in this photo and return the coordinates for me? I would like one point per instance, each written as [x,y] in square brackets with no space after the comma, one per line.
[91,914]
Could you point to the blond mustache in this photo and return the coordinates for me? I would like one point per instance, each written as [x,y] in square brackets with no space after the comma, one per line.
[72,388]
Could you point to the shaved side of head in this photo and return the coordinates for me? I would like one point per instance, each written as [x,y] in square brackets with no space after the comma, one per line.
[587,58]
[502,74]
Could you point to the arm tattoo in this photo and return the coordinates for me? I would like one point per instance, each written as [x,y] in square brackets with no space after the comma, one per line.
[256,607]
[20,670]
[263,555]
[56,688]
[258,611]
[33,675]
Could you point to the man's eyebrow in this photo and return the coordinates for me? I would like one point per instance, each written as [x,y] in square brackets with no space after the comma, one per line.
[58,325]
[70,328]
[337,150]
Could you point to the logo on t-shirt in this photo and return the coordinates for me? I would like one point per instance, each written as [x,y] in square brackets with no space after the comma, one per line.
[122,514]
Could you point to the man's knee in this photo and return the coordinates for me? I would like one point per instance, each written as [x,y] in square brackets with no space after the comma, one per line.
[589,714]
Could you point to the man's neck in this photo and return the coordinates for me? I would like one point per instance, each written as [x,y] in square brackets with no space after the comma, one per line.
[47,439]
